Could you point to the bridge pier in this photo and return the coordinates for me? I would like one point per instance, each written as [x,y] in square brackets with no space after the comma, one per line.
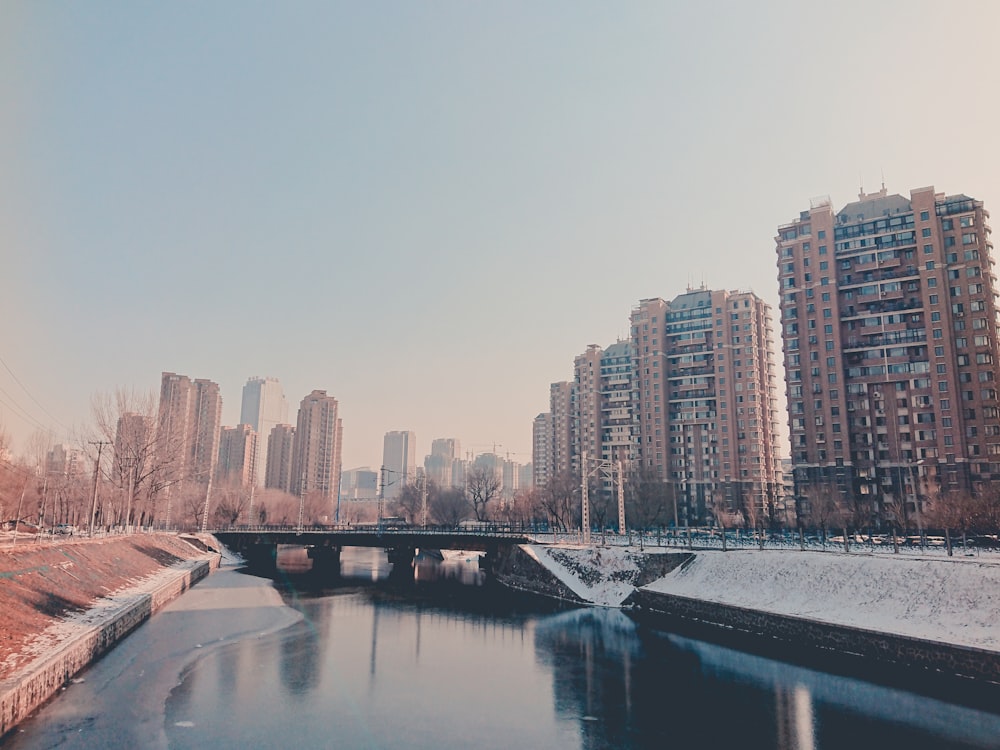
[261,558]
[326,561]
[402,562]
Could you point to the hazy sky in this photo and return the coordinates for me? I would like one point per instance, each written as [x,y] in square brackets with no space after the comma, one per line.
[427,209]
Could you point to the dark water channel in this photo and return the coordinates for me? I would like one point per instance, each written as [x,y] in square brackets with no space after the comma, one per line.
[450,664]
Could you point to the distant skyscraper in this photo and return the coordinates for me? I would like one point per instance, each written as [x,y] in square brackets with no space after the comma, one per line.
[64,461]
[317,447]
[359,484]
[561,409]
[263,407]
[542,457]
[190,416]
[438,465]
[280,444]
[399,459]
[237,454]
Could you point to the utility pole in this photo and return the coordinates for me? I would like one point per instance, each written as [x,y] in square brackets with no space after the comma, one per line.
[17,516]
[423,503]
[97,475]
[585,500]
[621,498]
[380,507]
[41,509]
[208,494]
[129,463]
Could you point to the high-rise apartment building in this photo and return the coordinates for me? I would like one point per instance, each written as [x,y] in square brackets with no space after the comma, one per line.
[439,464]
[399,461]
[602,420]
[561,409]
[263,407]
[280,445]
[190,416]
[704,399]
[888,311]
[237,455]
[317,447]
[541,449]
[359,484]
[64,461]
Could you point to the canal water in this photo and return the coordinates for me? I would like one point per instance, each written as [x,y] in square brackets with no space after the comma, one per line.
[450,664]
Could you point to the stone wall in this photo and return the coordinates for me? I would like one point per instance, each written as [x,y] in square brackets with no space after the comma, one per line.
[710,618]
[517,570]
[26,691]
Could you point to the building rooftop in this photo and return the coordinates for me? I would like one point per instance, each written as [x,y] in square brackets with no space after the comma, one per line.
[873,205]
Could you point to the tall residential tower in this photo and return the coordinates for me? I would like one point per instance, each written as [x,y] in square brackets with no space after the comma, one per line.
[888,311]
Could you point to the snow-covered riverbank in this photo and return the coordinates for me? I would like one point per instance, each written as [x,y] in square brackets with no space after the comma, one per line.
[955,601]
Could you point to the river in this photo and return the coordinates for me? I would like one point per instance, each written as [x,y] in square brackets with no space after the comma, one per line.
[449,663]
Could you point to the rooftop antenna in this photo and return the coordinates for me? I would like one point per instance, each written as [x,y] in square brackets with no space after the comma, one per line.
[861,189]
[883,180]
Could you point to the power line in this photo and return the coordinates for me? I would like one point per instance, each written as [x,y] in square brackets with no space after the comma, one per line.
[25,389]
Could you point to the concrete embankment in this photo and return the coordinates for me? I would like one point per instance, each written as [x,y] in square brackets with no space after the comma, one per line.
[66,643]
[932,614]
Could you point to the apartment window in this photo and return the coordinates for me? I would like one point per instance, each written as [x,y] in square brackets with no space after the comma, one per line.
[926,232]
[929,265]
[925,215]
[928,249]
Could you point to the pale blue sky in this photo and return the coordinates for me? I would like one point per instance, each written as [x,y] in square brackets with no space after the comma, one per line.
[427,209]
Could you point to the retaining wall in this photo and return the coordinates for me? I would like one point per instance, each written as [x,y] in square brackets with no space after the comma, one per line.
[726,620]
[26,691]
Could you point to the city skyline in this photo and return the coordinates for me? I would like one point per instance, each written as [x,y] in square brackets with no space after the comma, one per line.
[431,233]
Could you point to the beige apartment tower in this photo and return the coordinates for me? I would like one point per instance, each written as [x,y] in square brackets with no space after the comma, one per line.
[190,416]
[888,311]
[317,447]
[704,400]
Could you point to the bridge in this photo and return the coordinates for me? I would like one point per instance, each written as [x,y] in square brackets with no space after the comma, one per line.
[259,544]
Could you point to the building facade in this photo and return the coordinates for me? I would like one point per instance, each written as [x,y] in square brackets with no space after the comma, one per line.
[317,447]
[237,455]
[263,407]
[704,400]
[542,457]
[190,416]
[439,464]
[561,409]
[888,311]
[280,445]
[399,461]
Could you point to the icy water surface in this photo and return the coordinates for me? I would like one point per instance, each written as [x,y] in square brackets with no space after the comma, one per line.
[449,665]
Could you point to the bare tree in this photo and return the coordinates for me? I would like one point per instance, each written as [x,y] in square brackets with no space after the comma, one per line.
[483,486]
[232,500]
[559,500]
[649,501]
[824,508]
[145,460]
[523,508]
[448,507]
[410,501]
[724,517]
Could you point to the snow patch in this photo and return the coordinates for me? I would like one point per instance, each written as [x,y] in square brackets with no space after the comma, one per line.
[937,599]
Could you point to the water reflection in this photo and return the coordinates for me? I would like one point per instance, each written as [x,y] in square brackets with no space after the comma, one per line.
[440,665]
